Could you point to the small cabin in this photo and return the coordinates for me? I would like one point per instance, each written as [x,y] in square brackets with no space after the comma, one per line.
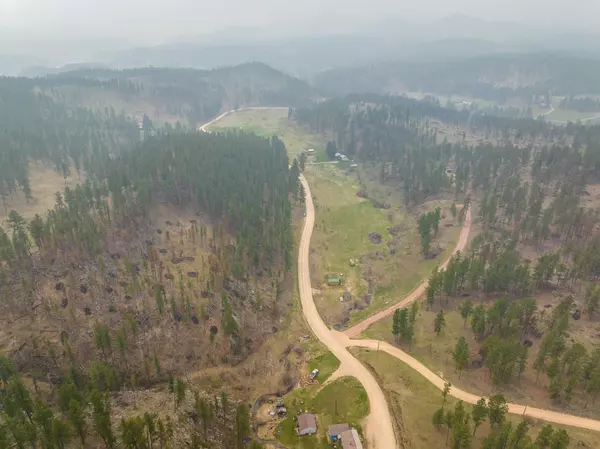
[307,424]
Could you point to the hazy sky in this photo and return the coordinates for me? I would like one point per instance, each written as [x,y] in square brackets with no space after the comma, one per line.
[154,21]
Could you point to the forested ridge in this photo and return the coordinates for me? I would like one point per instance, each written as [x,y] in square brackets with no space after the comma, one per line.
[190,95]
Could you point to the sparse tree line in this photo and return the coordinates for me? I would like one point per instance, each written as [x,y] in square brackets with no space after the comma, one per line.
[462,422]
[197,95]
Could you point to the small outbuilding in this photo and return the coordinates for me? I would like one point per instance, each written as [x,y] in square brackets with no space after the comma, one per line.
[334,282]
[334,431]
[307,424]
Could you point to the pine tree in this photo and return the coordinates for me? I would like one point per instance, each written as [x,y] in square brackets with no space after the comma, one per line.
[544,437]
[180,388]
[446,390]
[466,309]
[101,415]
[77,419]
[560,440]
[439,322]
[396,324]
[497,409]
[592,299]
[242,425]
[438,418]
[479,414]
[61,433]
[461,355]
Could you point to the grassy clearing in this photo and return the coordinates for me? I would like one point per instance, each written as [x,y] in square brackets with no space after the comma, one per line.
[45,182]
[270,122]
[568,115]
[342,401]
[413,401]
[343,224]
[563,115]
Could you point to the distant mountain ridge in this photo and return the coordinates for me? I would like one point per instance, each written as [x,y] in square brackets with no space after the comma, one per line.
[494,77]
[308,52]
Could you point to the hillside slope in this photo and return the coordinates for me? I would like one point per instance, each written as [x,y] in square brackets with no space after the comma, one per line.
[170,95]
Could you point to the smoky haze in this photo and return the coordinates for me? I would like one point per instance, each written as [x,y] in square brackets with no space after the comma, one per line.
[300,37]
[153,21]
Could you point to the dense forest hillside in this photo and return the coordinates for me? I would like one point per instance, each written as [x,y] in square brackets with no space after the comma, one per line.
[170,95]
[494,78]
[168,257]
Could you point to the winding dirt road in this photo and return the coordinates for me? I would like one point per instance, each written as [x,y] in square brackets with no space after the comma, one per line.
[359,328]
[379,428]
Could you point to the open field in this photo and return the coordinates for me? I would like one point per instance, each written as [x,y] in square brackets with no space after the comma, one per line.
[413,400]
[342,401]
[565,115]
[271,122]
